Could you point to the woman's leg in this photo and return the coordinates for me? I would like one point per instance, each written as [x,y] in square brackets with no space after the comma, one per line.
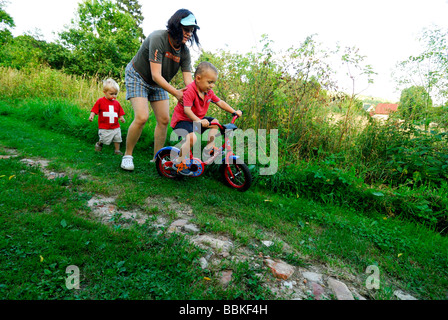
[162,113]
[141,115]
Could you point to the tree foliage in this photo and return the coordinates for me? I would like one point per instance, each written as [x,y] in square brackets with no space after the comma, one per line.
[100,41]
[27,51]
[103,39]
[414,102]
[134,8]
[429,69]
[6,22]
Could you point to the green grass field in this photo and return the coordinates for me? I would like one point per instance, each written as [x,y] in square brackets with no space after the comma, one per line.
[48,226]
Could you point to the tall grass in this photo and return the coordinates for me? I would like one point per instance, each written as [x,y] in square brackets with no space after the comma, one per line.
[342,158]
[45,83]
[330,149]
[62,102]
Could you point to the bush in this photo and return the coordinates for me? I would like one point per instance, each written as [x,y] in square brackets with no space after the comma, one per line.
[324,183]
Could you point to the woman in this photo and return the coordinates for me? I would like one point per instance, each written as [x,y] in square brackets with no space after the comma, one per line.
[148,75]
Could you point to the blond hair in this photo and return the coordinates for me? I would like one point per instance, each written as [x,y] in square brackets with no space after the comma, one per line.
[110,84]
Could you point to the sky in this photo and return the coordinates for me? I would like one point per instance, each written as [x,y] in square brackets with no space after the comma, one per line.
[385,31]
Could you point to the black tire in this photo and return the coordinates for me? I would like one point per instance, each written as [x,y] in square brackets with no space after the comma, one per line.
[165,155]
[242,178]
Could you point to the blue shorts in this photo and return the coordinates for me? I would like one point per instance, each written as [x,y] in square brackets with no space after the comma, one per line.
[137,87]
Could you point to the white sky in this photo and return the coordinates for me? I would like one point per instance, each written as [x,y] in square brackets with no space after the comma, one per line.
[384,30]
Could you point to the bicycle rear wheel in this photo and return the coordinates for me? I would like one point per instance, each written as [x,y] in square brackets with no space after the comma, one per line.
[236,176]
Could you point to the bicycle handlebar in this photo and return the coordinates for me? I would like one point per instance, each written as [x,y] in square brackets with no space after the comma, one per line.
[235,116]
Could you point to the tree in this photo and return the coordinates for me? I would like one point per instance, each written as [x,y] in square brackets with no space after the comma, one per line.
[414,102]
[103,39]
[135,9]
[6,22]
[429,69]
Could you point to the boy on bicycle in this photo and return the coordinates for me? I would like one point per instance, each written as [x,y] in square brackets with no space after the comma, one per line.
[192,114]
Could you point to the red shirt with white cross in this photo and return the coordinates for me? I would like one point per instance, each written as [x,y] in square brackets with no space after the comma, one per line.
[108,112]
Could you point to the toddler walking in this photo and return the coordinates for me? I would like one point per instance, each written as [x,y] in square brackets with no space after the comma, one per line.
[109,111]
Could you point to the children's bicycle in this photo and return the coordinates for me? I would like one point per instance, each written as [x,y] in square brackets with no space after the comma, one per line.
[233,170]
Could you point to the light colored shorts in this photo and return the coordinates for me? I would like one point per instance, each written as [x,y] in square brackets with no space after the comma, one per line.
[109,136]
[136,86]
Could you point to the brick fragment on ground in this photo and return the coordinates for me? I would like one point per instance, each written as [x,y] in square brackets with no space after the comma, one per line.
[280,269]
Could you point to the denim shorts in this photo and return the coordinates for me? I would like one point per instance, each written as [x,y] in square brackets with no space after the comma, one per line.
[136,86]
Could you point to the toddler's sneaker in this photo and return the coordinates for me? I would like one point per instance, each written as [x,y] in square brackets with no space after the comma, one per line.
[182,169]
[98,147]
[127,163]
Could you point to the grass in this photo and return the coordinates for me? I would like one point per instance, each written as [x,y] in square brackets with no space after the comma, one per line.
[47,226]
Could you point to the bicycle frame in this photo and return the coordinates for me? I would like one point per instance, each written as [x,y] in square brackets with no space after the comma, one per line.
[197,165]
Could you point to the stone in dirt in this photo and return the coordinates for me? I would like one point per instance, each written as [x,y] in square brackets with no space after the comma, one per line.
[203,262]
[318,291]
[312,276]
[340,289]
[267,243]
[226,277]
[177,225]
[8,156]
[403,296]
[191,228]
[220,246]
[280,269]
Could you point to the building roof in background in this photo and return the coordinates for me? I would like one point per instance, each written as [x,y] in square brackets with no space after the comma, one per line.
[386,108]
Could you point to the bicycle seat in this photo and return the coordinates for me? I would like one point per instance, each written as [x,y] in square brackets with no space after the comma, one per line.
[230,126]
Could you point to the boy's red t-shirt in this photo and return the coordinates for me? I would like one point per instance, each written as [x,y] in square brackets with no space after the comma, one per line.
[198,105]
[108,112]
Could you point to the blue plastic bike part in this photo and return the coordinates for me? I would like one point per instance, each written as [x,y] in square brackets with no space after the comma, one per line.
[173,149]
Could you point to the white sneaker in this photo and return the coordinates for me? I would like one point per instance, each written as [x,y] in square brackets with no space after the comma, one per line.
[127,163]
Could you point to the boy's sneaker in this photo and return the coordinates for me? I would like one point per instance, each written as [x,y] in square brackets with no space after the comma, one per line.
[118,152]
[98,147]
[182,169]
[127,163]
[208,153]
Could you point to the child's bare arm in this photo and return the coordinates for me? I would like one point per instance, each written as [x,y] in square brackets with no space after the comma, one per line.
[190,114]
[226,107]
[92,115]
